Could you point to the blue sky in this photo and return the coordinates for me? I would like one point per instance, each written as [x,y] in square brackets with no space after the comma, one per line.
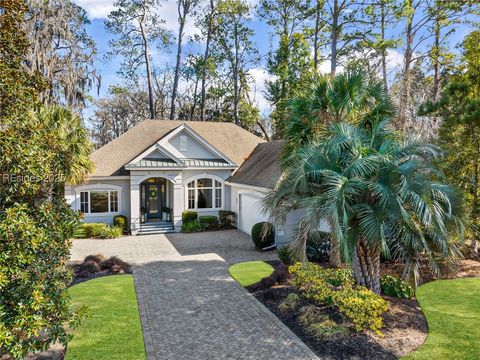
[98,10]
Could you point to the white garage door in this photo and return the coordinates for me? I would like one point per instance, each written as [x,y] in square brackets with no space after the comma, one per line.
[250,212]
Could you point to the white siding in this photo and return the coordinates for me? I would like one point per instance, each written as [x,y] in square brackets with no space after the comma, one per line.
[190,148]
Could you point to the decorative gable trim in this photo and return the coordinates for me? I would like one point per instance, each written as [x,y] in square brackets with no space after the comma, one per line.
[184,127]
[152,149]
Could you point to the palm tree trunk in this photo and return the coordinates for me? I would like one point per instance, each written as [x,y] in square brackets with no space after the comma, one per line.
[334,258]
[366,266]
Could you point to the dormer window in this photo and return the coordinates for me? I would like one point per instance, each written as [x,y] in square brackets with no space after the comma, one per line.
[183,143]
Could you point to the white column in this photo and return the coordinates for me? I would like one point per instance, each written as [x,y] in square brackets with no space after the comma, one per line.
[178,201]
[134,205]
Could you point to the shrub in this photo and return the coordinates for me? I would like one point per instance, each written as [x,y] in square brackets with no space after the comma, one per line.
[108,232]
[396,287]
[95,258]
[362,306]
[336,287]
[33,277]
[121,221]
[284,255]
[191,226]
[311,272]
[188,216]
[281,273]
[225,218]
[209,221]
[115,264]
[100,230]
[88,267]
[263,235]
[326,329]
[92,229]
[318,247]
[291,302]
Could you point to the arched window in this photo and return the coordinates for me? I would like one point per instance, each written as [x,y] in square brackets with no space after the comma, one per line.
[204,193]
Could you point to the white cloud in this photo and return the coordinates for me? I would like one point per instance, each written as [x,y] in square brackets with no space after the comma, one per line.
[394,59]
[257,91]
[99,9]
[96,9]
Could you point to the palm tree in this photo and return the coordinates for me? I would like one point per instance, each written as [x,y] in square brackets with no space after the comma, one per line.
[71,144]
[380,194]
[349,97]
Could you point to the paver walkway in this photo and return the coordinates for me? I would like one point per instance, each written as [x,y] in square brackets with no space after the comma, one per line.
[190,307]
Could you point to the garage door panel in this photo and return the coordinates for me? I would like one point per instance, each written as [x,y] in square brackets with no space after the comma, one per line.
[250,212]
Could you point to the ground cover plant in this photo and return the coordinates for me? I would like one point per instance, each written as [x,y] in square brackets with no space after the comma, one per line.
[113,329]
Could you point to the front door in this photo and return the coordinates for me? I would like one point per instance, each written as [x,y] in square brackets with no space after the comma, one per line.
[154,201]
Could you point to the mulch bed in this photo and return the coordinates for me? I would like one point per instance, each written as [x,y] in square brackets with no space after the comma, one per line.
[405,328]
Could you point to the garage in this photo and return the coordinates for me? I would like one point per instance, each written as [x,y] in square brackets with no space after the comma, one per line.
[250,212]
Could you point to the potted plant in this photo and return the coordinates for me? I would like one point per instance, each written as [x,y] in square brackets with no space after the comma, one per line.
[143,215]
[167,214]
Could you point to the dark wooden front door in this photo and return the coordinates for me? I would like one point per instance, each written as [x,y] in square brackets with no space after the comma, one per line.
[154,198]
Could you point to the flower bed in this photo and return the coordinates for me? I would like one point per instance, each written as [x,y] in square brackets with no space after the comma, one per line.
[337,320]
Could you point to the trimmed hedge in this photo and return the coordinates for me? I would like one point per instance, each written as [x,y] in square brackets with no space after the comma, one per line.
[189,215]
[260,238]
[209,221]
[121,221]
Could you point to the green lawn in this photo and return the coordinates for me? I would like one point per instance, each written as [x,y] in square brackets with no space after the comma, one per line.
[452,309]
[249,273]
[113,331]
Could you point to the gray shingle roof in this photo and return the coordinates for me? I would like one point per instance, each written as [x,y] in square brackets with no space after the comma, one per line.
[233,141]
[262,168]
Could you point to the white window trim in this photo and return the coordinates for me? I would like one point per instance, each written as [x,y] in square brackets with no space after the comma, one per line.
[205,176]
[99,188]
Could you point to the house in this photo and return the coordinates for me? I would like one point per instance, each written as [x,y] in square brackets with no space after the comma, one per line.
[158,169]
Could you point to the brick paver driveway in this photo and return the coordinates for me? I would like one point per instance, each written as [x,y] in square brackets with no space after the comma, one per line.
[190,307]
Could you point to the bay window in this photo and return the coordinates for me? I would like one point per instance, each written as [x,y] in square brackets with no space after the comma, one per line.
[204,193]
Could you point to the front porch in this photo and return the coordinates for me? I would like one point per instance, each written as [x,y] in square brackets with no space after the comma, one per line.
[156,202]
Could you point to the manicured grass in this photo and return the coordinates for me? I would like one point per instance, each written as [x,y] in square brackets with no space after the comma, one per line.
[452,309]
[249,273]
[113,331]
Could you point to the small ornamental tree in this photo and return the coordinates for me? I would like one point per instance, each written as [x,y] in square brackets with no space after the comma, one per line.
[40,149]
